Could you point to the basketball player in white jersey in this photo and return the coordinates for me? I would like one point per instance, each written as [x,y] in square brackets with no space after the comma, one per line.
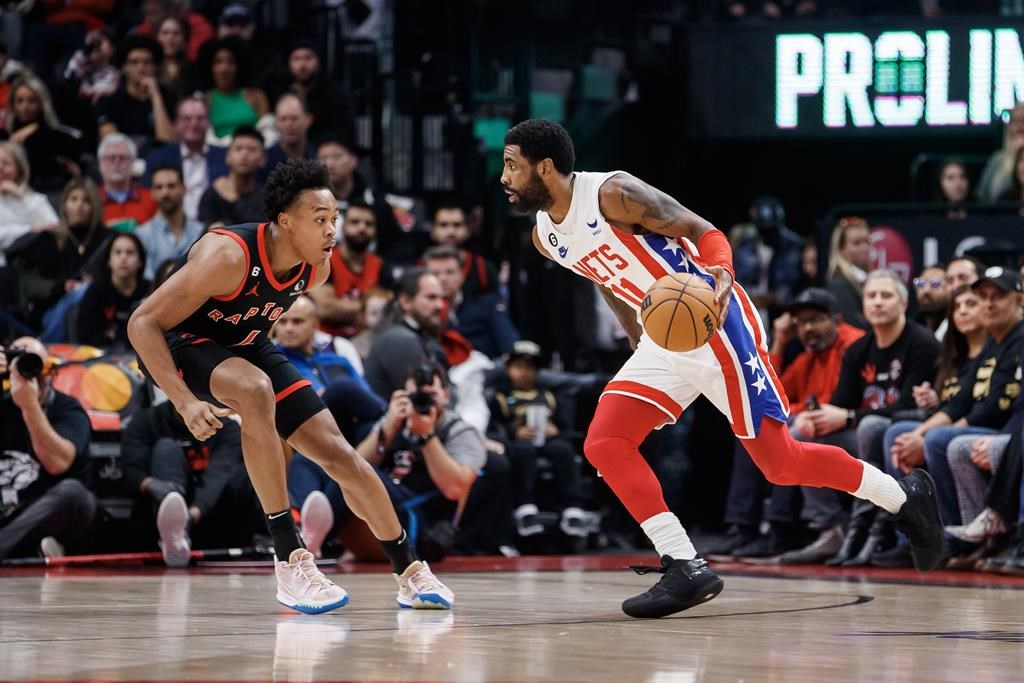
[624,234]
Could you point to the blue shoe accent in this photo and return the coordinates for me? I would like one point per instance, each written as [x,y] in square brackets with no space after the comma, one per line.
[427,601]
[317,610]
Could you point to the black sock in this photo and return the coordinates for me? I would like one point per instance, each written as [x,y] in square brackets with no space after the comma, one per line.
[400,552]
[286,537]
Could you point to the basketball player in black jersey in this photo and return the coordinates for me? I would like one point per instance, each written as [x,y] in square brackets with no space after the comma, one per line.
[202,337]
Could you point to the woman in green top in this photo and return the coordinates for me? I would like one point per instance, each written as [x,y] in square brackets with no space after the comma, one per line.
[232,102]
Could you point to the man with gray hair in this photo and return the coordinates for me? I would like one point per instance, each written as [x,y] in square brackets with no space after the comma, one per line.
[876,380]
[125,204]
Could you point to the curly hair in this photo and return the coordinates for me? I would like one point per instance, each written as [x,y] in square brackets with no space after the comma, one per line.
[137,42]
[289,180]
[540,139]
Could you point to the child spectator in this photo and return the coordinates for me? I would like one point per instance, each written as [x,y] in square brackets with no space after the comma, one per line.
[523,416]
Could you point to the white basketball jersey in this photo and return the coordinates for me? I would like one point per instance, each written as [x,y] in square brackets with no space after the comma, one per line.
[625,263]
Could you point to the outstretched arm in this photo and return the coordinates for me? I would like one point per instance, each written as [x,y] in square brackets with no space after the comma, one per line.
[631,204]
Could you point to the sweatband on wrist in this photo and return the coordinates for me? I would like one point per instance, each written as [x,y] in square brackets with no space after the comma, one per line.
[714,250]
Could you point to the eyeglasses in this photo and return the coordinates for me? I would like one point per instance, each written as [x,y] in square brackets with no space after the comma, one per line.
[934,283]
[117,158]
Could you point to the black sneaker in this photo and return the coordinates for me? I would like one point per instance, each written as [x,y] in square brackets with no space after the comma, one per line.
[894,558]
[919,519]
[771,544]
[685,584]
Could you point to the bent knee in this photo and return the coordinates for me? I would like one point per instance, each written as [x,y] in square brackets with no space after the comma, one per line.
[250,390]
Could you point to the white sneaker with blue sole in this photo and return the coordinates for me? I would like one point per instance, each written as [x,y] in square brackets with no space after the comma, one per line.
[418,588]
[302,587]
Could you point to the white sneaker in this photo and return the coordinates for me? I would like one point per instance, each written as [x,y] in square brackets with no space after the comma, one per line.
[418,588]
[316,518]
[576,522]
[987,524]
[172,521]
[51,547]
[527,523]
[303,587]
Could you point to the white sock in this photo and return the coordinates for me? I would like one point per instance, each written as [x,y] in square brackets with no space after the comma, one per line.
[880,489]
[669,537]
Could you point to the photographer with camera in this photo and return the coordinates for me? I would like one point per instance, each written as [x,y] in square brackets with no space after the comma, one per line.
[419,447]
[43,468]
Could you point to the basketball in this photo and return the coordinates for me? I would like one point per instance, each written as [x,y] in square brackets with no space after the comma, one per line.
[679,312]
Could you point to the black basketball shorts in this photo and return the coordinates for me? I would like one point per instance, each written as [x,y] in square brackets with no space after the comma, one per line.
[196,358]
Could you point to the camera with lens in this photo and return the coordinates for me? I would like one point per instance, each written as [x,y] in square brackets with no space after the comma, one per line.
[28,364]
[422,401]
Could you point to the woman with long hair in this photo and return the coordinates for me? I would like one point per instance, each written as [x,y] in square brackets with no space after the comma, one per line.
[175,73]
[224,64]
[109,301]
[52,151]
[961,344]
[22,210]
[53,262]
[997,176]
[848,265]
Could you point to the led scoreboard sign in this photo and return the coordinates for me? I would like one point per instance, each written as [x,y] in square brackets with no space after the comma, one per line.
[855,78]
[899,79]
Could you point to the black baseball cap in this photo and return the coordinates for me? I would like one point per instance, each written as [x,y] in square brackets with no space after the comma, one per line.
[814,297]
[236,14]
[526,350]
[1005,279]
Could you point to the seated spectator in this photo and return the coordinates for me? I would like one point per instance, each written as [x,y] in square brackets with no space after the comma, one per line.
[355,270]
[176,72]
[997,178]
[876,380]
[236,20]
[238,196]
[812,317]
[109,301]
[767,233]
[224,67]
[961,270]
[200,163]
[199,490]
[482,320]
[330,106]
[51,263]
[199,29]
[58,25]
[523,417]
[125,203]
[451,228]
[52,152]
[1015,192]
[932,297]
[90,70]
[994,381]
[138,108]
[408,336]
[808,268]
[848,265]
[44,436]
[954,187]
[421,448]
[168,235]
[10,71]
[21,209]
[293,121]
[349,185]
[374,303]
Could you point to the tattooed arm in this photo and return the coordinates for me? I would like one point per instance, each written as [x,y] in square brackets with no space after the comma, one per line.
[625,314]
[631,204]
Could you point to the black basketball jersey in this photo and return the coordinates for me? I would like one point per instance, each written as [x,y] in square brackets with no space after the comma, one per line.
[246,315]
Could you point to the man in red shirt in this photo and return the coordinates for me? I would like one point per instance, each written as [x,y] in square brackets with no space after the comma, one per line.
[809,381]
[355,270]
[125,203]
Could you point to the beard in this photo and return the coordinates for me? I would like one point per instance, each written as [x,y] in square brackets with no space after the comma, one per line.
[357,244]
[533,197]
[432,326]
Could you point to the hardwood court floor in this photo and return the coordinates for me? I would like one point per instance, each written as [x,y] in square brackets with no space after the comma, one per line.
[527,625]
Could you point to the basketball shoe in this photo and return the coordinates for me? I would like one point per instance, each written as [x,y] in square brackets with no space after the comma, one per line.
[919,519]
[303,587]
[172,521]
[317,518]
[684,584]
[418,588]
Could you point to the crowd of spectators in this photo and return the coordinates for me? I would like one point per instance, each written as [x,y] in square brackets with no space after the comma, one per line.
[126,149]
